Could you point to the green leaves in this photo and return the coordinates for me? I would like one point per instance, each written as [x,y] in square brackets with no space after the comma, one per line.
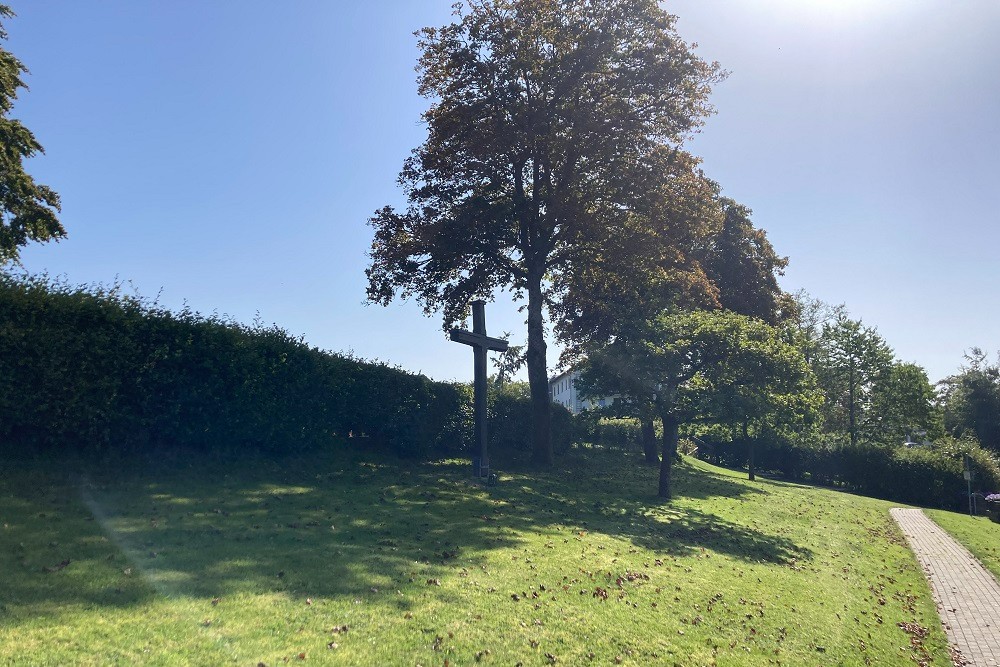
[851,359]
[705,366]
[552,168]
[93,369]
[27,209]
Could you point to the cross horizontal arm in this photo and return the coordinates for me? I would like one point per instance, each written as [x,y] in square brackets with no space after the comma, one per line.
[478,340]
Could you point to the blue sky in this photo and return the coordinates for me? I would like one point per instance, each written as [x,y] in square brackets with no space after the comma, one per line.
[227,155]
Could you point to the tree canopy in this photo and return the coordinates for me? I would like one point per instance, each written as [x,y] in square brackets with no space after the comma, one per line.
[27,209]
[903,407]
[743,266]
[552,164]
[971,400]
[852,359]
[700,365]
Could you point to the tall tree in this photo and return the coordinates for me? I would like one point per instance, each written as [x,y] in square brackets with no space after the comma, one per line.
[804,326]
[554,137]
[27,209]
[852,359]
[742,264]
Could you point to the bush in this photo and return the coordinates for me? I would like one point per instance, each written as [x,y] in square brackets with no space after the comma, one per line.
[510,425]
[611,432]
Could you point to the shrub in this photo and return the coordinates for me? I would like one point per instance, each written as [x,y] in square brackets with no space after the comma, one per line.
[510,421]
[611,432]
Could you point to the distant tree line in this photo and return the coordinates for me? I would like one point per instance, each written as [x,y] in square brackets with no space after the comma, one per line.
[817,395]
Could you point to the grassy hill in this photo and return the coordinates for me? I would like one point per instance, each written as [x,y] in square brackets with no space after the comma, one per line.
[344,558]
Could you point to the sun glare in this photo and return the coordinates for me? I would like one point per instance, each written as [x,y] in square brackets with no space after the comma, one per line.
[838,11]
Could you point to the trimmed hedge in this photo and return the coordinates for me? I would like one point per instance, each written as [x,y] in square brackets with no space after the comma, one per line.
[509,422]
[611,432]
[920,476]
[91,369]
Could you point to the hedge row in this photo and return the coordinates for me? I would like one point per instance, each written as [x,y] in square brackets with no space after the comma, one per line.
[920,476]
[510,425]
[610,432]
[93,369]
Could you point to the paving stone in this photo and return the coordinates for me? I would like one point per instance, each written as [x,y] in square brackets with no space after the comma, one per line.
[967,594]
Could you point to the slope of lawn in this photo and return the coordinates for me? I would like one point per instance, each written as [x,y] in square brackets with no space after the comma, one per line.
[360,559]
[977,534]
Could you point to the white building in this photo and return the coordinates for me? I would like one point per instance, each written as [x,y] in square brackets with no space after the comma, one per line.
[562,389]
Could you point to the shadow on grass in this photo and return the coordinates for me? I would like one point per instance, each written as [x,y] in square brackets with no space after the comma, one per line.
[342,525]
[621,503]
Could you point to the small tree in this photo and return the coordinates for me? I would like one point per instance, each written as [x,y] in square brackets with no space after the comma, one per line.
[27,209]
[692,366]
[764,388]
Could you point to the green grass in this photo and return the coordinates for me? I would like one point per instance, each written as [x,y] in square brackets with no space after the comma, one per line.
[260,562]
[977,534]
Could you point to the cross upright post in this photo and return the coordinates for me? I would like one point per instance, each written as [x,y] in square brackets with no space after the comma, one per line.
[481,344]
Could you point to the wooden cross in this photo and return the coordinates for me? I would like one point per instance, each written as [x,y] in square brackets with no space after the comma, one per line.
[480,344]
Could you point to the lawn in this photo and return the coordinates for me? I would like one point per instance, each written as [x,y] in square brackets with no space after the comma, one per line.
[977,534]
[360,559]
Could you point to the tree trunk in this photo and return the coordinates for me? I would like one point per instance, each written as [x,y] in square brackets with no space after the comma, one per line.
[746,439]
[538,379]
[649,442]
[671,428]
[850,407]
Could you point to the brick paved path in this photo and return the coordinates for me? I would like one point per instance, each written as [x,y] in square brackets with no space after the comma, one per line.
[967,595]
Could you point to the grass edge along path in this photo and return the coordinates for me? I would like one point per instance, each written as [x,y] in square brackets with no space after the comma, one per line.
[977,534]
[347,558]
[967,595]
